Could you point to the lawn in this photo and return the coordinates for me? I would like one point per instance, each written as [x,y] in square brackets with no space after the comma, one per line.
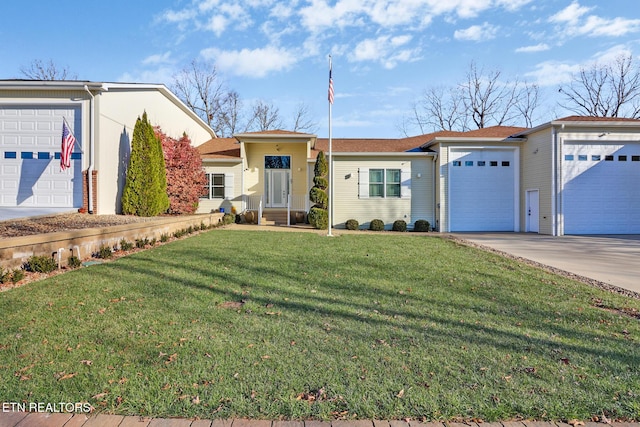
[301,326]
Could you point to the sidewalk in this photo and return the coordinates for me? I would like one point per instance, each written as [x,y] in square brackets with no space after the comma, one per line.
[33,419]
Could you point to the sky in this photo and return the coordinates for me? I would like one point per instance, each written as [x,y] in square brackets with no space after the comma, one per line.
[385,53]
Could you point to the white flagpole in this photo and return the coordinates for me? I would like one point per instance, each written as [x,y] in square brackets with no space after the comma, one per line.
[330,204]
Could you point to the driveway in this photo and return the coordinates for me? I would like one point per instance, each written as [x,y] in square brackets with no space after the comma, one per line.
[614,260]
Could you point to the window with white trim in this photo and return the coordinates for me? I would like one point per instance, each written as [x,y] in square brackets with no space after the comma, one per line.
[218,186]
[384,183]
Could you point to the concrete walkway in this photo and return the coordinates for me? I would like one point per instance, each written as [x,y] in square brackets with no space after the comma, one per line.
[23,419]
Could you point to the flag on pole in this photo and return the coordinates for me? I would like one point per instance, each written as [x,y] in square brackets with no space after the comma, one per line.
[68,141]
[330,85]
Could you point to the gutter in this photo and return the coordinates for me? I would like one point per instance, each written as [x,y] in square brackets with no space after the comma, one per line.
[91,148]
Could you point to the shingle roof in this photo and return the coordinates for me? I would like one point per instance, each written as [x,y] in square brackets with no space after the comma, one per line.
[220,148]
[596,119]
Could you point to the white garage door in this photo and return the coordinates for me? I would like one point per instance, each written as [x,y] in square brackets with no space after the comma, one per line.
[30,174]
[601,192]
[482,190]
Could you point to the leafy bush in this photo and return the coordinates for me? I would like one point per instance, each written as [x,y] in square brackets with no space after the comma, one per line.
[164,237]
[41,264]
[74,262]
[376,225]
[125,245]
[17,275]
[5,276]
[399,225]
[185,176]
[352,224]
[319,218]
[228,218]
[105,252]
[421,225]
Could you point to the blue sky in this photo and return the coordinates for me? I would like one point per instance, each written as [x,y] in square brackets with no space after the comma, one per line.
[385,53]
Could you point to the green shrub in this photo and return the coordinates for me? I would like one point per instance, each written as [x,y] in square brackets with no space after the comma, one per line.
[105,252]
[153,242]
[318,196]
[228,218]
[189,229]
[5,276]
[203,226]
[141,243]
[179,233]
[421,225]
[17,275]
[352,224]
[41,264]
[125,245]
[74,262]
[319,218]
[164,237]
[399,225]
[376,225]
[321,182]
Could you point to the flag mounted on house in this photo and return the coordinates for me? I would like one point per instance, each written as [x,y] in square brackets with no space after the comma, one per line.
[68,141]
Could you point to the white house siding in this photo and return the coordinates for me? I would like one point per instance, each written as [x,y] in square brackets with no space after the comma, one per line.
[32,121]
[233,200]
[536,174]
[348,203]
[117,111]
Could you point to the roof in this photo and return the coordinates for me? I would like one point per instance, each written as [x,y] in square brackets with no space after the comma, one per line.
[220,148]
[596,119]
[585,121]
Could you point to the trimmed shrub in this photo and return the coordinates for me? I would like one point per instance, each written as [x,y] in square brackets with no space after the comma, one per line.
[5,276]
[164,237]
[17,275]
[105,252]
[319,197]
[376,225]
[421,225]
[399,225]
[141,243]
[352,224]
[319,218]
[125,245]
[41,264]
[228,218]
[73,262]
[321,182]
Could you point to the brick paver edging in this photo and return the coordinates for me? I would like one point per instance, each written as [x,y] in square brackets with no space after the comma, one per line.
[34,419]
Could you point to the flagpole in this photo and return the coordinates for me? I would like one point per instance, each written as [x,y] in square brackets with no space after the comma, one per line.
[330,204]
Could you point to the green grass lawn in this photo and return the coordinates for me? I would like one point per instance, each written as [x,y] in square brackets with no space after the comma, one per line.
[296,326]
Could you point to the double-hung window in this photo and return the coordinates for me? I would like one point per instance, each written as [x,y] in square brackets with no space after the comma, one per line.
[214,187]
[384,183]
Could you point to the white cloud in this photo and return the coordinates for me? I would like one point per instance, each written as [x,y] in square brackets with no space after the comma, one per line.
[574,21]
[553,73]
[540,47]
[162,75]
[386,50]
[251,62]
[482,32]
[157,58]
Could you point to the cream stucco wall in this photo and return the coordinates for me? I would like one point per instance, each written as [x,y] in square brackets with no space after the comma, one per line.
[230,201]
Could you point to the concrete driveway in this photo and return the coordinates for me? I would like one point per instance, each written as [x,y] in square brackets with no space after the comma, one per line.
[614,260]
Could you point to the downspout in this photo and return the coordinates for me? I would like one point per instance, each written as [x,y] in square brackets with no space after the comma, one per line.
[91,150]
[435,188]
[554,183]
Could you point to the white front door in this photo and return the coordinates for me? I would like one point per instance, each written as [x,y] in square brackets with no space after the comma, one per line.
[276,187]
[533,211]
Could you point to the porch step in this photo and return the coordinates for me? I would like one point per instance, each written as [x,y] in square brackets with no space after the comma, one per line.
[277,217]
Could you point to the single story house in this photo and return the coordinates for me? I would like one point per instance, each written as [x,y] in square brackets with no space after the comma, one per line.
[101,116]
[575,175]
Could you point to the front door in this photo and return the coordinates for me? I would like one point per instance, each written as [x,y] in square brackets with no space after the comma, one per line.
[533,211]
[276,187]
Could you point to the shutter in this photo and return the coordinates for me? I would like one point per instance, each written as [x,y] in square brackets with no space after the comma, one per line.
[363,183]
[405,183]
[228,186]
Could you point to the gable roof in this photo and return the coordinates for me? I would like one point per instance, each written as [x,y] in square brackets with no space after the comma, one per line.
[220,148]
[584,121]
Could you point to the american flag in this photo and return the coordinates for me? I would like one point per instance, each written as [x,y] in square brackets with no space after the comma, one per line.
[330,86]
[68,141]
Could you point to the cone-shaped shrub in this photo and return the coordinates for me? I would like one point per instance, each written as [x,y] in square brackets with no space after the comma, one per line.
[318,214]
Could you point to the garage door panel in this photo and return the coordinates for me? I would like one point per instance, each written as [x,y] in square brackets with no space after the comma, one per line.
[599,192]
[482,190]
[33,177]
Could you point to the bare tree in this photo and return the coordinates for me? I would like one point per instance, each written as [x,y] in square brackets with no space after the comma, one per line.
[605,90]
[40,70]
[230,120]
[302,121]
[264,117]
[199,87]
[483,99]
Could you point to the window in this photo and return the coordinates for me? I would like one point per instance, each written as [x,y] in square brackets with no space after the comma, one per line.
[10,155]
[506,163]
[457,163]
[468,163]
[622,158]
[596,157]
[608,158]
[43,155]
[481,163]
[26,155]
[277,162]
[568,157]
[384,182]
[214,188]
[635,158]
[493,163]
[582,157]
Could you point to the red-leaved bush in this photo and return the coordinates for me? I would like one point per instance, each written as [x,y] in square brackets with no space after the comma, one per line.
[185,176]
